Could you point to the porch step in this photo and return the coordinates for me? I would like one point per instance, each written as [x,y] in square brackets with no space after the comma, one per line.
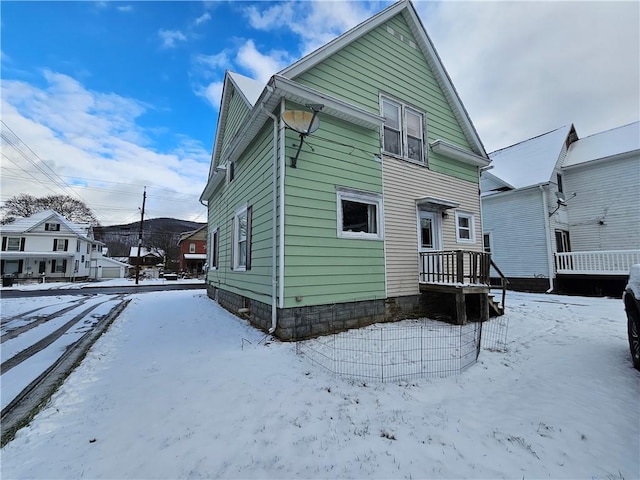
[495,308]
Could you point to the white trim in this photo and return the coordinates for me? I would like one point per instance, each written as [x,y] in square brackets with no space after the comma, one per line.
[471,228]
[436,229]
[236,238]
[457,153]
[403,107]
[358,196]
[212,250]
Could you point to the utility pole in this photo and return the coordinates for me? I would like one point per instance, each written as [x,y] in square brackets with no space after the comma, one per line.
[144,198]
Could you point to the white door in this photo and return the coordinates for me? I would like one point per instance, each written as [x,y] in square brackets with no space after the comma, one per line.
[429,241]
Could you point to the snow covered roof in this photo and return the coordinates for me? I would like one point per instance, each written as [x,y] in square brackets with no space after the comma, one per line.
[532,161]
[248,87]
[27,224]
[604,144]
[145,251]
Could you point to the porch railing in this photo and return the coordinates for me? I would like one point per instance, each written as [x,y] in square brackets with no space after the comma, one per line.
[606,262]
[455,267]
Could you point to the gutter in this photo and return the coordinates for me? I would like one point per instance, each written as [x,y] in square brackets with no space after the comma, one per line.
[547,231]
[274,223]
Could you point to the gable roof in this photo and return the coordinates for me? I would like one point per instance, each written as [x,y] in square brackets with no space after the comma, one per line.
[249,88]
[186,235]
[609,143]
[28,224]
[406,8]
[532,161]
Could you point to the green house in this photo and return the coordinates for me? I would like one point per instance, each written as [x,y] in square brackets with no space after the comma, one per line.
[345,191]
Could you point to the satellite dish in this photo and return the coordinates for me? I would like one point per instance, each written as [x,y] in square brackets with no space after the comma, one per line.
[561,198]
[301,121]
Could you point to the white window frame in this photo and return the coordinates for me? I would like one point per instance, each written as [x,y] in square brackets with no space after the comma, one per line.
[192,248]
[52,227]
[212,253]
[471,228]
[9,248]
[236,239]
[360,197]
[404,137]
[487,247]
[60,245]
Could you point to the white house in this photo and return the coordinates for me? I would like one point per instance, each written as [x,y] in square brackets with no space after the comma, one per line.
[48,245]
[564,213]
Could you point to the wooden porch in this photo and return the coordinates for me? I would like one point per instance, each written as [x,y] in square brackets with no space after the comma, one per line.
[458,284]
[609,263]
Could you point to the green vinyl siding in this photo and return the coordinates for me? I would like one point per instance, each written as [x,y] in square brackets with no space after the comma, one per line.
[321,268]
[380,62]
[251,186]
[236,114]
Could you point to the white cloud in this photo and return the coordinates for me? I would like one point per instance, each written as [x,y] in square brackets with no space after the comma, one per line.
[261,66]
[212,93]
[218,60]
[170,38]
[205,17]
[524,68]
[125,8]
[83,134]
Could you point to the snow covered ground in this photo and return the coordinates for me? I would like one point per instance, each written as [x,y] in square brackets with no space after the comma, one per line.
[115,282]
[180,388]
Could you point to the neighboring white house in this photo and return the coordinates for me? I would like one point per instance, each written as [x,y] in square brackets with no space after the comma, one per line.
[48,245]
[562,212]
[151,261]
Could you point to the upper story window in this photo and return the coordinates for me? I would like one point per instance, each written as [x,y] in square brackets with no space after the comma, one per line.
[52,227]
[359,215]
[60,245]
[13,244]
[465,231]
[78,246]
[559,181]
[192,248]
[404,131]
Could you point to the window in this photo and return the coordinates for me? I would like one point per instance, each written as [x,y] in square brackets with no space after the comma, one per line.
[10,267]
[403,131]
[486,242]
[78,246]
[213,254]
[60,245]
[14,244]
[192,248]
[464,228]
[231,170]
[563,244]
[52,227]
[59,266]
[241,240]
[359,215]
[76,267]
[559,180]
[87,264]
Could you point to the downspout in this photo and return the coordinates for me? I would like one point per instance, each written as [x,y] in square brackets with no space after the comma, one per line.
[274,223]
[547,231]
[281,235]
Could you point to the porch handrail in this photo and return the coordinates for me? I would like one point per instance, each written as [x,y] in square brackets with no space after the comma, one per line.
[596,262]
[503,281]
[455,266]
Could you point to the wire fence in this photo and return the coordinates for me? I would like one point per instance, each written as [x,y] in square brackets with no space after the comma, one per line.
[407,350]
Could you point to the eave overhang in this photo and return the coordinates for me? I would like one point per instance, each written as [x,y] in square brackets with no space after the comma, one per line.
[457,153]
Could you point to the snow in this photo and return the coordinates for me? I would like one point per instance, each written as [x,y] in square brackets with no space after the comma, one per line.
[179,387]
[605,144]
[530,162]
[250,88]
[634,280]
[115,282]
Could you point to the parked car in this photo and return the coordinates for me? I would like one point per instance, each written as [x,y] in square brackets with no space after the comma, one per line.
[631,298]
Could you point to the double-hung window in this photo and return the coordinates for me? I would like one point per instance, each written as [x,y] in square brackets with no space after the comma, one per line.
[14,244]
[192,248]
[359,215]
[403,131]
[213,253]
[241,240]
[465,231]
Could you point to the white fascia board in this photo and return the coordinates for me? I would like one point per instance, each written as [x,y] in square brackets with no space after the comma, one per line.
[458,153]
[213,183]
[490,196]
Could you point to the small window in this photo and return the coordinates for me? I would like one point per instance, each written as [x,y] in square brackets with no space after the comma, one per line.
[359,215]
[89,247]
[192,248]
[213,254]
[559,180]
[78,246]
[464,228]
[87,264]
[403,133]
[486,242]
[231,171]
[52,227]
[60,244]
[13,244]
[241,240]
[76,267]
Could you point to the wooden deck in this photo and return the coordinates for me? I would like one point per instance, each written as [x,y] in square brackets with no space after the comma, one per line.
[459,282]
[596,263]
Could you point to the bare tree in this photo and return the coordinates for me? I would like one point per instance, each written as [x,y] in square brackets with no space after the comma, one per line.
[25,205]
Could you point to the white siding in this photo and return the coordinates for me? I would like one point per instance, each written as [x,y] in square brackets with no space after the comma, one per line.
[605,213]
[404,183]
[516,223]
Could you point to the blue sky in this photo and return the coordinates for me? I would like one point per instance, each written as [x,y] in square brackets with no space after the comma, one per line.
[108,97]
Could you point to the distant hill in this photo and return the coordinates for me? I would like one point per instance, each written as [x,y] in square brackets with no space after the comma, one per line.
[162,233]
